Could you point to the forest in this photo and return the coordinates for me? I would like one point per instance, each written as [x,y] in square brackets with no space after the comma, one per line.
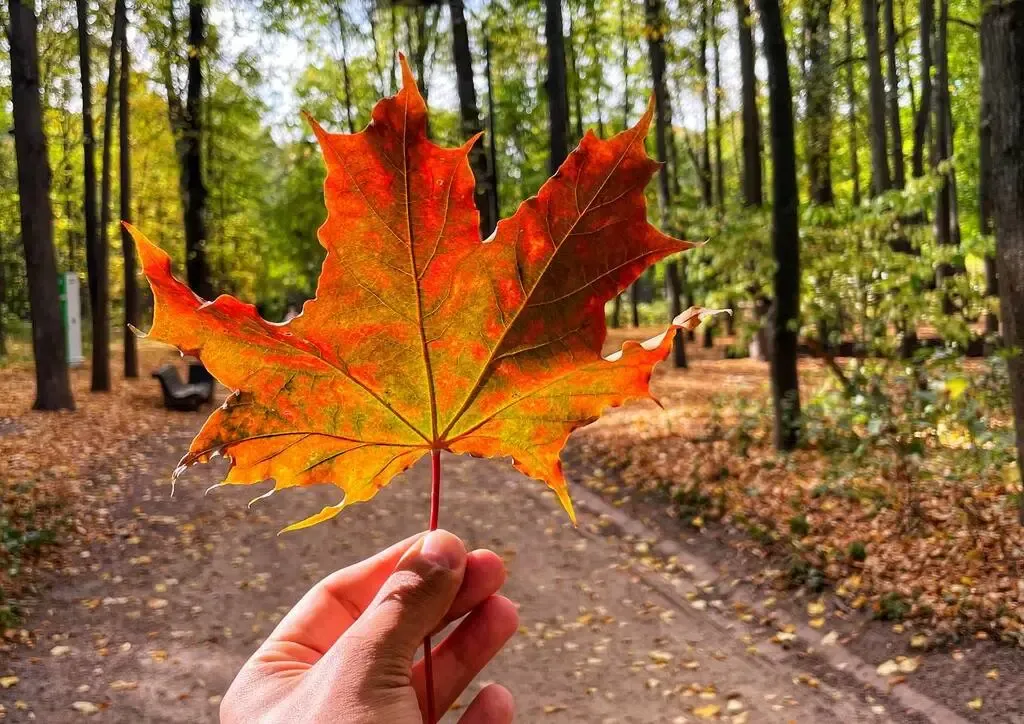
[852,170]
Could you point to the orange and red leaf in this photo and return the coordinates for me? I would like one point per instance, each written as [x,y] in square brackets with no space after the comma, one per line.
[421,335]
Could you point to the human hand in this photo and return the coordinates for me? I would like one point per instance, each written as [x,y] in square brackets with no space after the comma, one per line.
[345,652]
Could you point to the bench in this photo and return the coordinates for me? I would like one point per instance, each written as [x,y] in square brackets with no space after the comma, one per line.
[186,397]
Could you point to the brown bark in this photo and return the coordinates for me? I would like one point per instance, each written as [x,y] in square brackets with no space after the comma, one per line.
[339,14]
[881,181]
[947,231]
[421,27]
[491,132]
[893,96]
[101,313]
[634,291]
[196,266]
[654,16]
[706,180]
[131,289]
[851,102]
[785,232]
[985,196]
[53,389]
[924,110]
[753,185]
[819,102]
[719,166]
[555,85]
[1002,33]
[675,309]
[470,116]
[577,83]
[95,251]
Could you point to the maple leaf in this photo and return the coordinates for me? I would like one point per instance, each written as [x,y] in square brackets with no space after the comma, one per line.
[421,336]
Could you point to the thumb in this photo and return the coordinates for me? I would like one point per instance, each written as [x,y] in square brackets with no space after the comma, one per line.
[414,600]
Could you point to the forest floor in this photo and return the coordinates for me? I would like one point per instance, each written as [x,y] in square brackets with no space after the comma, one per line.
[149,604]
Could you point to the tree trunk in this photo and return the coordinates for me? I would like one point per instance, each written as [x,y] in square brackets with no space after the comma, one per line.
[626,108]
[593,32]
[719,93]
[673,157]
[753,186]
[656,22]
[675,296]
[924,111]
[985,197]
[785,231]
[908,68]
[394,49]
[378,66]
[708,342]
[617,312]
[893,96]
[945,207]
[3,294]
[131,289]
[471,117]
[555,86]
[49,346]
[492,147]
[101,312]
[421,27]
[95,252]
[819,102]
[881,181]
[196,267]
[634,290]
[339,14]
[851,102]
[577,86]
[1002,33]
[706,180]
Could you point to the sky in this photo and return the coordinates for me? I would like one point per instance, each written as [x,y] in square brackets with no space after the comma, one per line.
[283,57]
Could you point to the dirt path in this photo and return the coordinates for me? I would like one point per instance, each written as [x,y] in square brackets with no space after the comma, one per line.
[152,626]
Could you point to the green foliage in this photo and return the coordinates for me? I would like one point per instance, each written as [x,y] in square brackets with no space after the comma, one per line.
[799,525]
[857,551]
[892,607]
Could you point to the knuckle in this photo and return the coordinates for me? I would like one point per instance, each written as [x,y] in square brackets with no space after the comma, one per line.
[411,589]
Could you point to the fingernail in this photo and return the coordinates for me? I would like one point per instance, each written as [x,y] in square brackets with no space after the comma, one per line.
[443,549]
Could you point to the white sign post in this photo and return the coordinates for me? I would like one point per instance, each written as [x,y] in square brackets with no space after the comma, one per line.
[71,301]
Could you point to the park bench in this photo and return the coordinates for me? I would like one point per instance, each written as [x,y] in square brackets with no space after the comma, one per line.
[184,396]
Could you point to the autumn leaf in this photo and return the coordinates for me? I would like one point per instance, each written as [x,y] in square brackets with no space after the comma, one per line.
[421,336]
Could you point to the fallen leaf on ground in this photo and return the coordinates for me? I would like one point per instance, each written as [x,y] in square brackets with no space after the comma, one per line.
[85,707]
[908,665]
[708,711]
[887,668]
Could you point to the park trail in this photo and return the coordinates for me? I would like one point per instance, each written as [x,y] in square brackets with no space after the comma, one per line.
[152,624]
